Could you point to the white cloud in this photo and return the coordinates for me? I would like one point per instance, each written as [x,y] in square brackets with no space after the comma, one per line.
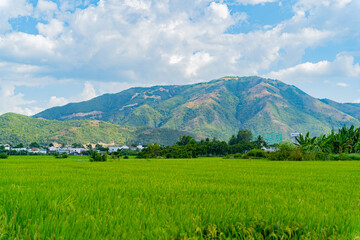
[52,29]
[341,84]
[88,93]
[342,66]
[220,10]
[57,101]
[12,102]
[146,42]
[10,9]
[45,9]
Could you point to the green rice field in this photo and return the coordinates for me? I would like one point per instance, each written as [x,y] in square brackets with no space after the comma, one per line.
[204,198]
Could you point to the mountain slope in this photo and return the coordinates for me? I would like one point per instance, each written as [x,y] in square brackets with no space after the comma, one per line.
[15,129]
[353,109]
[218,108]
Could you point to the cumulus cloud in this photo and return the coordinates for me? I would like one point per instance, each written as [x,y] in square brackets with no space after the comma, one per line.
[341,84]
[10,9]
[146,42]
[88,93]
[12,102]
[342,66]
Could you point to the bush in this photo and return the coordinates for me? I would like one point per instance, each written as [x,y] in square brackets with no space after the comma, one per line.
[3,155]
[63,155]
[296,155]
[238,155]
[126,157]
[97,157]
[255,153]
[284,153]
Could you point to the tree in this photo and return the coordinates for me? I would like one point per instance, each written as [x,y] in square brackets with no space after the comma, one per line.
[184,140]
[244,135]
[233,140]
[260,141]
[77,145]
[34,145]
[19,145]
[51,145]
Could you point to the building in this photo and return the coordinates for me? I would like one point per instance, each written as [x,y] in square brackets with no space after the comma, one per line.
[114,149]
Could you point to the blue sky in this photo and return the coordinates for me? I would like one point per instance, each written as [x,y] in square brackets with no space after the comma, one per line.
[61,51]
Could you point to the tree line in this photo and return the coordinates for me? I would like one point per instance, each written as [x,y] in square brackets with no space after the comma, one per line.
[188,147]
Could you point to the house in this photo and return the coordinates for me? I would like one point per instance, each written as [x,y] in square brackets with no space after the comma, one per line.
[140,147]
[37,151]
[53,149]
[269,149]
[20,149]
[6,146]
[133,148]
[77,151]
[114,149]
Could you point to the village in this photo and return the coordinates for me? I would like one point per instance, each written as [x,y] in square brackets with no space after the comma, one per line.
[68,150]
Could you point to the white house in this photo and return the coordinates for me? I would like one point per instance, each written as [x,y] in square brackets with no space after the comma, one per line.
[19,149]
[37,151]
[140,147]
[6,146]
[270,149]
[77,151]
[124,147]
[114,149]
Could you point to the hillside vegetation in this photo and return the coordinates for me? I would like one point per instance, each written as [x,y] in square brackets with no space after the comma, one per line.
[16,128]
[214,109]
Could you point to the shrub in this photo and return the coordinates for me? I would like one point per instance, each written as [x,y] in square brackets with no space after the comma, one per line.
[97,157]
[126,157]
[238,155]
[296,155]
[257,153]
[63,155]
[3,155]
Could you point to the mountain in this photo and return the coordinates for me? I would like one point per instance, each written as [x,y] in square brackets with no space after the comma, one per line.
[353,109]
[218,108]
[16,128]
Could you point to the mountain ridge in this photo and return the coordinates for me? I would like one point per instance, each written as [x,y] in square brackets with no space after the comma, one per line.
[217,108]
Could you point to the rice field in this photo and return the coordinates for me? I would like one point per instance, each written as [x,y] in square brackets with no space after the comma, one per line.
[205,198]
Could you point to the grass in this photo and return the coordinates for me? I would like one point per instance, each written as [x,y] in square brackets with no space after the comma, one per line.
[205,198]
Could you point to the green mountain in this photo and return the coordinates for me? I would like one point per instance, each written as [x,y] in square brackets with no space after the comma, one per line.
[353,109]
[15,129]
[218,108]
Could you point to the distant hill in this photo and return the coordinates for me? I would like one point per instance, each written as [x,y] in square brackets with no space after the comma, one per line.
[353,109]
[16,128]
[218,108]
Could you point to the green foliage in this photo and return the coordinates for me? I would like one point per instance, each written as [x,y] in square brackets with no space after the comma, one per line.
[97,157]
[203,198]
[77,145]
[346,140]
[34,145]
[62,155]
[20,146]
[256,153]
[18,129]
[3,155]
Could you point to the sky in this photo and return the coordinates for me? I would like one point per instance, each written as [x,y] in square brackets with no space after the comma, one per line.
[53,52]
